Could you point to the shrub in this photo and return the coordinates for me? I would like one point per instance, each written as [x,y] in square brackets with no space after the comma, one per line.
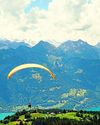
[27,115]
[6,121]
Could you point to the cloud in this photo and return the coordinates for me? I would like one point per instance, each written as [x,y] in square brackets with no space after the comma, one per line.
[11,18]
[85,27]
[64,20]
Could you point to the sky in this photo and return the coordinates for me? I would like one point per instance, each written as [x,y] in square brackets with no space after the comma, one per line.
[55,21]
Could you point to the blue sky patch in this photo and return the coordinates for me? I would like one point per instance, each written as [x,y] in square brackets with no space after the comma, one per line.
[42,4]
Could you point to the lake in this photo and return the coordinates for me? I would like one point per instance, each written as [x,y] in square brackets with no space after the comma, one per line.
[94,109]
[3,115]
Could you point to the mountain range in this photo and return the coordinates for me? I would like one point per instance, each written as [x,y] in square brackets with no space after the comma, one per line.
[75,64]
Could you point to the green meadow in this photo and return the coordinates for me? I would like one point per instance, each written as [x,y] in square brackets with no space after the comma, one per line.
[52,117]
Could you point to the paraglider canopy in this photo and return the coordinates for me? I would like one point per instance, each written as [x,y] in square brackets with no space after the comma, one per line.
[24,66]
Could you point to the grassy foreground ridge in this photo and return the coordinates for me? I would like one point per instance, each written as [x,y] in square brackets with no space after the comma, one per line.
[52,117]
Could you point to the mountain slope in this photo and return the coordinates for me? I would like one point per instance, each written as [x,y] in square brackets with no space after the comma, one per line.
[6,44]
[75,64]
[79,49]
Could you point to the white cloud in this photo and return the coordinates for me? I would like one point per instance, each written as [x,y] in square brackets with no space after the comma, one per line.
[64,20]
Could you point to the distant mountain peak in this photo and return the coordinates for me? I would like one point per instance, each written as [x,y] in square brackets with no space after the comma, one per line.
[78,48]
[7,44]
[74,44]
[97,45]
[44,43]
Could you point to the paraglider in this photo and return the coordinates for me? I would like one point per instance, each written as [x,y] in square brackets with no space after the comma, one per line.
[24,66]
[30,105]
